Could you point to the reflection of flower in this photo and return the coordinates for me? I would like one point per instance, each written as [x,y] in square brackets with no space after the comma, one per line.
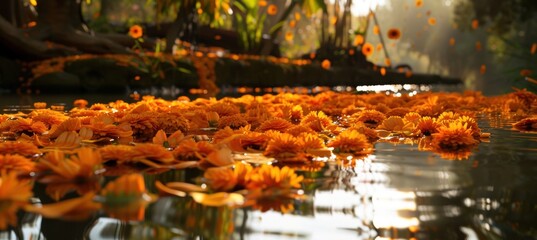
[271,177]
[71,209]
[14,193]
[126,197]
[351,141]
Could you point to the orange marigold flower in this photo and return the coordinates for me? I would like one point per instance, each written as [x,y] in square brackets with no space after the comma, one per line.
[456,136]
[47,116]
[14,194]
[372,118]
[283,145]
[432,21]
[471,123]
[136,31]
[126,198]
[152,152]
[277,124]
[428,126]
[272,9]
[272,177]
[16,163]
[447,116]
[21,148]
[311,141]
[40,105]
[80,103]
[351,141]
[396,123]
[223,134]
[191,150]
[412,117]
[368,49]
[318,121]
[224,109]
[119,153]
[419,3]
[299,129]
[525,72]
[394,33]
[398,111]
[249,141]
[234,121]
[221,179]
[326,64]
[526,124]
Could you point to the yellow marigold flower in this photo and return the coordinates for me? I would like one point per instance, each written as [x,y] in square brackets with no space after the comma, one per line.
[221,179]
[272,177]
[14,194]
[284,145]
[234,121]
[351,141]
[456,136]
[16,163]
[372,118]
[428,126]
[136,31]
[526,124]
[278,124]
[20,148]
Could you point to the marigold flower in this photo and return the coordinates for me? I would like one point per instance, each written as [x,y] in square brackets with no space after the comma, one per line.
[80,103]
[318,121]
[325,64]
[16,163]
[224,109]
[428,126]
[351,141]
[277,124]
[20,148]
[396,123]
[192,150]
[283,146]
[299,129]
[234,121]
[272,9]
[456,136]
[119,153]
[368,49]
[136,31]
[14,194]
[311,141]
[526,124]
[372,118]
[152,153]
[432,21]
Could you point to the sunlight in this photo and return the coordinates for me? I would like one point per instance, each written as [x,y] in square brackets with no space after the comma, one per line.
[361,7]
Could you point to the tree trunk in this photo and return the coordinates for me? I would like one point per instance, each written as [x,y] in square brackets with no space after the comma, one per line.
[61,21]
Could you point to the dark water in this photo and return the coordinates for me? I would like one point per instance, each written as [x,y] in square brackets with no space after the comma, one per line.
[397,192]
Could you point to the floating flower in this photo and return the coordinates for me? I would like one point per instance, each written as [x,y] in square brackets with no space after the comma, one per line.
[80,103]
[16,163]
[372,118]
[419,3]
[428,126]
[396,124]
[325,64]
[432,21]
[153,155]
[21,148]
[456,136]
[526,124]
[234,121]
[136,31]
[277,124]
[351,141]
[284,146]
[192,150]
[318,121]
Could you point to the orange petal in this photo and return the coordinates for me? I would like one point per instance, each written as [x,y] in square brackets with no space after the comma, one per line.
[164,189]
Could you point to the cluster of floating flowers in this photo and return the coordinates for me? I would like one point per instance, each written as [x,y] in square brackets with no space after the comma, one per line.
[248,147]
